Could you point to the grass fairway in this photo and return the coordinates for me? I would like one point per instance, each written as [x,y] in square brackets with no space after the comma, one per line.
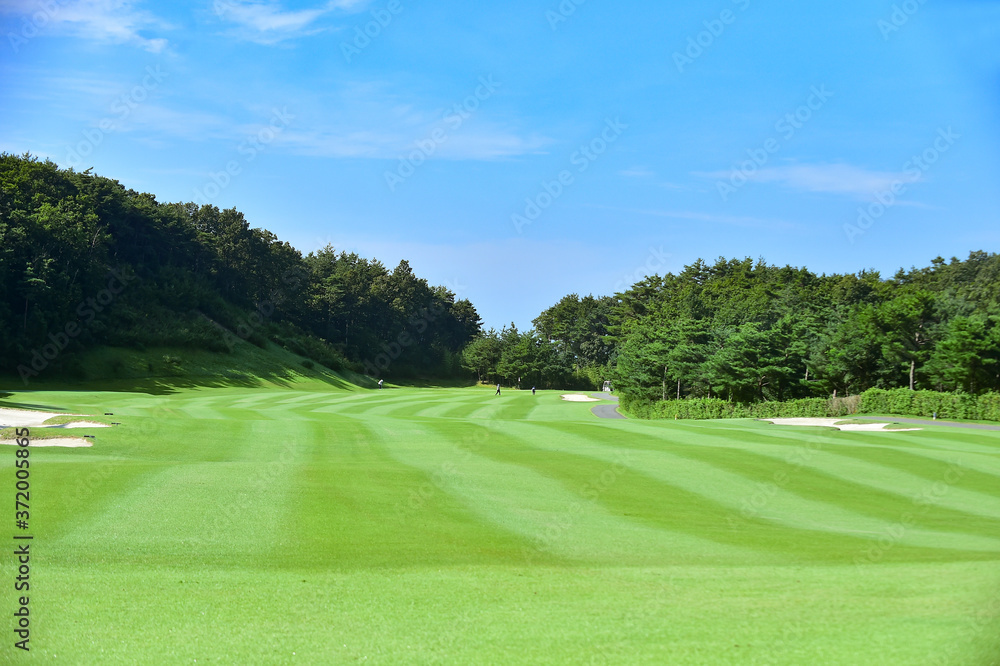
[306,525]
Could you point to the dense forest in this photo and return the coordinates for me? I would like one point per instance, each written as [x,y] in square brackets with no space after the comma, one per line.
[85,262]
[745,331]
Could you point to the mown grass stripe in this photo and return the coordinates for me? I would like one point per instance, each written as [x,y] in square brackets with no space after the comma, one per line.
[558,520]
[734,491]
[358,507]
[864,483]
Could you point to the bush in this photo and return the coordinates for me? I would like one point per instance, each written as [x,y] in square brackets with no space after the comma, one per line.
[985,407]
[904,402]
[714,408]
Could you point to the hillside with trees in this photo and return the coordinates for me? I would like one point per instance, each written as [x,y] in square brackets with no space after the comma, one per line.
[86,263]
[748,332]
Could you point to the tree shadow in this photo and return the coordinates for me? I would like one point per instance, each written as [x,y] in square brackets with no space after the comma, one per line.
[166,385]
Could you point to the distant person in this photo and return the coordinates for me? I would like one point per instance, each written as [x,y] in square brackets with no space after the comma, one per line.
[498,389]
[532,390]
[380,384]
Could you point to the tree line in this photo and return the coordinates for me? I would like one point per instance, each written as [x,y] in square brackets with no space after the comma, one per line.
[748,332]
[86,262]
[198,277]
[567,347]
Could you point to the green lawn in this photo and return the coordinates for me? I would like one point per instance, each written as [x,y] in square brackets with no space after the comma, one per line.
[301,524]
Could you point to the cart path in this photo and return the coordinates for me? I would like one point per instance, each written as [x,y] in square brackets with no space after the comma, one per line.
[605,411]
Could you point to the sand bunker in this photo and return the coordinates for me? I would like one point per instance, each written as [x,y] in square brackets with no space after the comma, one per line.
[16,418]
[68,442]
[838,423]
[573,397]
[20,418]
[26,418]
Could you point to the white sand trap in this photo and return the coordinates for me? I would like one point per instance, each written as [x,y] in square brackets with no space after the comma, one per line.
[574,397]
[16,418]
[20,418]
[67,442]
[837,423]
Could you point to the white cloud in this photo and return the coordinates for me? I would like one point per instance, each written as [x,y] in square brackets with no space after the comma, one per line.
[377,121]
[636,172]
[642,173]
[694,216]
[269,23]
[195,125]
[484,144]
[834,178]
[115,21]
[846,179]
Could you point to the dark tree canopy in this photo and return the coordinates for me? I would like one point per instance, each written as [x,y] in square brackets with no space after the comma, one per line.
[191,273]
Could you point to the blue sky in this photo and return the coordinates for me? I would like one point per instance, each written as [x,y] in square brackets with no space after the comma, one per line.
[520,151]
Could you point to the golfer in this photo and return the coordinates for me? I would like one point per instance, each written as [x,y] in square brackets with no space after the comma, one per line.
[380,383]
[532,390]
[498,389]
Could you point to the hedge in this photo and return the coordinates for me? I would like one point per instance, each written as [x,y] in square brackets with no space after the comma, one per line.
[985,407]
[714,408]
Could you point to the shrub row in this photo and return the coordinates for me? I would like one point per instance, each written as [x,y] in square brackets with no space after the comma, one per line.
[985,407]
[714,408]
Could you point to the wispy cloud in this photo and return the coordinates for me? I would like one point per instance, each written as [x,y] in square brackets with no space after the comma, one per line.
[636,172]
[642,173]
[483,144]
[378,121]
[838,178]
[270,23]
[712,218]
[114,21]
[190,124]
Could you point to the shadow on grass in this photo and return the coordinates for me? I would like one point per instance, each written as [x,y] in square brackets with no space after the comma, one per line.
[171,384]
[432,382]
